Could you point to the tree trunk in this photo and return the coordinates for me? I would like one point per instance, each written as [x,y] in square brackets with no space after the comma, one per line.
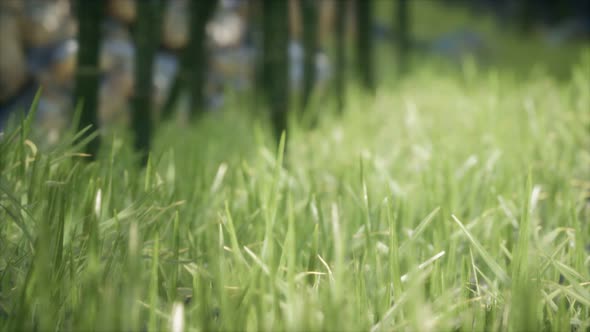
[340,56]
[364,15]
[403,35]
[309,14]
[87,74]
[147,32]
[195,60]
[275,61]
[526,13]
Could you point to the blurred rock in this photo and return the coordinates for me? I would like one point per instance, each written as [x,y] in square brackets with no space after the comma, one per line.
[123,10]
[175,25]
[13,67]
[383,32]
[115,90]
[114,29]
[117,58]
[227,29]
[53,113]
[15,6]
[64,59]
[47,21]
[232,5]
[234,66]
[165,69]
[54,65]
[116,53]
[54,110]
[296,53]
[214,92]
[322,66]
[232,59]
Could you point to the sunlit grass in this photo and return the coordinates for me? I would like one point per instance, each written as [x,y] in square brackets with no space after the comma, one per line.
[444,202]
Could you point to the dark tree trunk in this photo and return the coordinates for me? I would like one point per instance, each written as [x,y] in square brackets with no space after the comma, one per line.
[195,59]
[87,74]
[500,9]
[147,33]
[364,15]
[256,27]
[403,35]
[309,14]
[275,61]
[255,38]
[340,56]
[526,13]
[193,62]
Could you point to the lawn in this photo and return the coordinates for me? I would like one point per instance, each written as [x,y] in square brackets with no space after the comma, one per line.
[444,202]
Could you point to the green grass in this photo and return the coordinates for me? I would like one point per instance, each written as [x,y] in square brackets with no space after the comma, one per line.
[447,202]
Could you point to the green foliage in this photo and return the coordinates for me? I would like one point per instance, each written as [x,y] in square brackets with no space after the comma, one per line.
[449,202]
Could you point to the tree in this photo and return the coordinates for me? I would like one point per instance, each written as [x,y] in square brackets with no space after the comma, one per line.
[364,15]
[193,70]
[526,13]
[275,61]
[146,35]
[195,60]
[340,56]
[87,73]
[403,34]
[309,14]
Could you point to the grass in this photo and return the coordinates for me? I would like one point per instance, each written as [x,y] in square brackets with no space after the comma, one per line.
[446,202]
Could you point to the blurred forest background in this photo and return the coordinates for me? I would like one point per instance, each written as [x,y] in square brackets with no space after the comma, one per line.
[138,62]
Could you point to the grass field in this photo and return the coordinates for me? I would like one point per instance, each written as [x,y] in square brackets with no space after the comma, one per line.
[447,202]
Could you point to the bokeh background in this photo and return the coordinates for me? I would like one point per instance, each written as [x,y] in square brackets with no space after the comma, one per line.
[40,43]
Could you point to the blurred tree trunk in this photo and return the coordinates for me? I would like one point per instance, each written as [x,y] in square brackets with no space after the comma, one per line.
[276,61]
[195,59]
[87,74]
[309,14]
[147,37]
[255,27]
[364,23]
[340,56]
[500,8]
[192,74]
[255,36]
[526,13]
[403,35]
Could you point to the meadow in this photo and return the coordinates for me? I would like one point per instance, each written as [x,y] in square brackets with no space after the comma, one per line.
[444,202]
